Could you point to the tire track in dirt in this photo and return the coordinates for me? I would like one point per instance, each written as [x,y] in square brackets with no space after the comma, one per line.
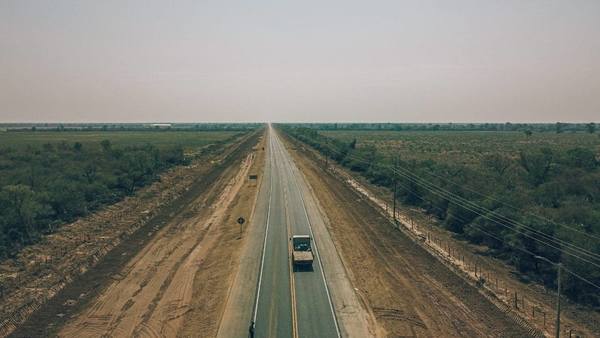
[163,274]
[167,318]
[124,301]
[219,268]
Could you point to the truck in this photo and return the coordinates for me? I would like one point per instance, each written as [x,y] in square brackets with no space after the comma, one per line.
[302,255]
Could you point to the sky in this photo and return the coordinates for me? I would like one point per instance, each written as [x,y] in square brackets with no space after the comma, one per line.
[380,61]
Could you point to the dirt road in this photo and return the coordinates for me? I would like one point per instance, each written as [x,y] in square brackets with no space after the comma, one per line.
[408,291]
[213,281]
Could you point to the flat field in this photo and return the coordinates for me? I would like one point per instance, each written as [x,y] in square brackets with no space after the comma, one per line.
[187,139]
[463,146]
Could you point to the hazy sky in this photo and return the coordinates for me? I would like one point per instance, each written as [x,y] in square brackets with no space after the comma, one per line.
[404,61]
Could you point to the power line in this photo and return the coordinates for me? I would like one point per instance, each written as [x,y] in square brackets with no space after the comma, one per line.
[465,187]
[511,228]
[450,195]
[477,209]
[508,205]
[478,227]
[469,204]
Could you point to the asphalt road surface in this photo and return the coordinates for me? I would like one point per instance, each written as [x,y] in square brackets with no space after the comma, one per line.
[288,303]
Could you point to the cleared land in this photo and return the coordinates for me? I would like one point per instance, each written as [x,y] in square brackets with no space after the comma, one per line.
[214,279]
[189,215]
[154,291]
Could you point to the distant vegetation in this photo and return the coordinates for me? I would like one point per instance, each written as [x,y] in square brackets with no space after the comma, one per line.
[526,128]
[48,178]
[520,194]
[129,126]
[189,140]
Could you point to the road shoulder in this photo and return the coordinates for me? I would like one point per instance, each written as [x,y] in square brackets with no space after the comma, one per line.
[237,314]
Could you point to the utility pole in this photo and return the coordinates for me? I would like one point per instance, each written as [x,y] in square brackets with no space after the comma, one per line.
[395,185]
[558,277]
[394,200]
[558,266]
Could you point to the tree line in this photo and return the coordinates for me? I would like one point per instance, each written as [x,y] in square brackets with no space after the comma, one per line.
[65,127]
[527,128]
[538,202]
[44,186]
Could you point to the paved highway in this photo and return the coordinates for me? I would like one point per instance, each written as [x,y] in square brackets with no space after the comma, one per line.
[288,303]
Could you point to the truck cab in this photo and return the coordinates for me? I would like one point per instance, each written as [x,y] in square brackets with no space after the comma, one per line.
[302,255]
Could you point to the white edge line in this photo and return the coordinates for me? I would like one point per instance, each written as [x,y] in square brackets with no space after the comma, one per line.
[337,329]
[262,260]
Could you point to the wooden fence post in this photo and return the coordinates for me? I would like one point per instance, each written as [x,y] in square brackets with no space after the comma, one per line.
[544,312]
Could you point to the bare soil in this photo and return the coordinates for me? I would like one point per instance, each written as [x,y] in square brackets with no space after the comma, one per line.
[408,291]
[179,219]
[214,279]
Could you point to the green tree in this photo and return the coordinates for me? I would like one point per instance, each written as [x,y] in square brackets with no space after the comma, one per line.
[591,127]
[537,164]
[89,171]
[77,146]
[20,210]
[498,163]
[353,144]
[105,144]
[136,168]
[581,158]
[66,199]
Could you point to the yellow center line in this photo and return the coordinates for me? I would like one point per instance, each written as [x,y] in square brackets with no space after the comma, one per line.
[291,268]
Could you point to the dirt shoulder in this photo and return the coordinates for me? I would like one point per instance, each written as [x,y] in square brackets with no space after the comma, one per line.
[97,250]
[240,300]
[408,291]
[213,281]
